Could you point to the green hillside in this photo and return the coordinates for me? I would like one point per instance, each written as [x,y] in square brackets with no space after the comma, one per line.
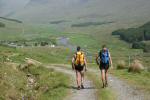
[139,37]
[19,80]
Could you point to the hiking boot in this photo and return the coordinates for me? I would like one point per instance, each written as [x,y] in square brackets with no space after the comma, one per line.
[82,86]
[78,88]
[103,85]
[106,84]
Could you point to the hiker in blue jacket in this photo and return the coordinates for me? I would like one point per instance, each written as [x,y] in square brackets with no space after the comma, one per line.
[104,60]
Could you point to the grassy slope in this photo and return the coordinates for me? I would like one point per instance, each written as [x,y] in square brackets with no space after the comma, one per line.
[43,54]
[23,31]
[13,82]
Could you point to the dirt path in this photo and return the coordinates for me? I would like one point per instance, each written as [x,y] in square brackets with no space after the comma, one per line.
[85,94]
[125,91]
[122,89]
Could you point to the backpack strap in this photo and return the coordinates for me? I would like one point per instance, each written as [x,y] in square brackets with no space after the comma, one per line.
[108,52]
[82,54]
[76,55]
[101,51]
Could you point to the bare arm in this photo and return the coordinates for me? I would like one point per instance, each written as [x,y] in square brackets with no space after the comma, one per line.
[97,59]
[85,61]
[73,60]
[110,59]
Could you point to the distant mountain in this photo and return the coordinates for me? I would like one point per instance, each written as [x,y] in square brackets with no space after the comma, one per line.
[76,10]
[9,7]
[56,3]
[39,1]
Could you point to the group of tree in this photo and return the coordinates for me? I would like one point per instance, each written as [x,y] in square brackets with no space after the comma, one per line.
[9,19]
[44,41]
[2,24]
[139,37]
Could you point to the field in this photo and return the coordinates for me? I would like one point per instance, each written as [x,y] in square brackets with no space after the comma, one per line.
[90,38]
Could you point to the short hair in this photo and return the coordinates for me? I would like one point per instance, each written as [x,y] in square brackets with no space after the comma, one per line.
[78,48]
[104,46]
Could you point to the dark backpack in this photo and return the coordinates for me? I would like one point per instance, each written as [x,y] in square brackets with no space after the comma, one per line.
[104,56]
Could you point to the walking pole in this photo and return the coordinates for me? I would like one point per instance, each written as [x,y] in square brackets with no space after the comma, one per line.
[129,60]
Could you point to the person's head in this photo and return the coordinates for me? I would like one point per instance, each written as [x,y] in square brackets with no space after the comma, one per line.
[78,48]
[104,47]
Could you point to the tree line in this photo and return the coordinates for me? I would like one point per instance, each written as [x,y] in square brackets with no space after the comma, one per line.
[138,37]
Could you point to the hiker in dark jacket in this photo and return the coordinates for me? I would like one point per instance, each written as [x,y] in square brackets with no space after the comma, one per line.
[104,61]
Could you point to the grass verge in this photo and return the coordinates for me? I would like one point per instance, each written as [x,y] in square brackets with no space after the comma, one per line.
[102,93]
[43,83]
[139,80]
